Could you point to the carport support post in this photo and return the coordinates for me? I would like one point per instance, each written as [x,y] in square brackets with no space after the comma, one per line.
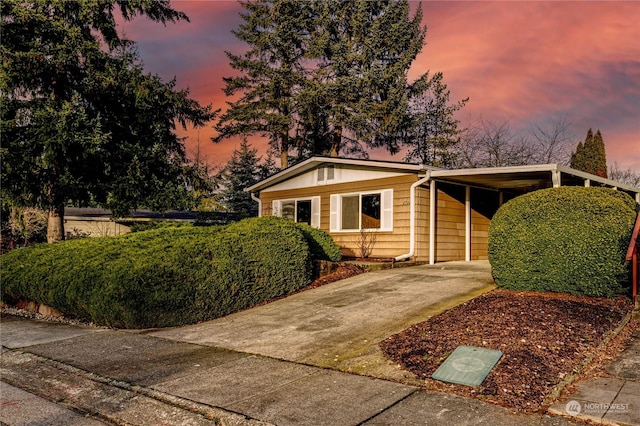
[555,178]
[433,200]
[467,223]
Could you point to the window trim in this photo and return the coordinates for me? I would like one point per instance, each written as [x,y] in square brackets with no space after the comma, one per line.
[386,211]
[315,208]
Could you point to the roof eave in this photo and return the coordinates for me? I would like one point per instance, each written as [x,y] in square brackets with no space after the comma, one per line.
[313,162]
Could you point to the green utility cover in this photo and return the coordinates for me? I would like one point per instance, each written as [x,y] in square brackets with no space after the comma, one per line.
[467,365]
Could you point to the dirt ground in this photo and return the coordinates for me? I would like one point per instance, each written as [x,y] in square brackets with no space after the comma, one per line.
[544,338]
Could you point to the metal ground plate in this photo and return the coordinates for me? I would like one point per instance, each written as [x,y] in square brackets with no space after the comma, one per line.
[467,365]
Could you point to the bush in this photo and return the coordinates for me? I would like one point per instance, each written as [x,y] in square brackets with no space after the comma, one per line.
[321,244]
[164,277]
[140,226]
[255,260]
[567,239]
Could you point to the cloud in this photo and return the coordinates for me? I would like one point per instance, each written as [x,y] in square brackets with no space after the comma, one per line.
[525,61]
[530,61]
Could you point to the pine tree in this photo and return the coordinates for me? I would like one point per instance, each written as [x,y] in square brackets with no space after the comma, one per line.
[578,161]
[323,77]
[590,156]
[435,130]
[271,73]
[363,50]
[242,170]
[598,155]
[80,120]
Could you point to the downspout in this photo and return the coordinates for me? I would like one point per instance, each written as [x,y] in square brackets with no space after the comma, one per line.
[259,201]
[412,218]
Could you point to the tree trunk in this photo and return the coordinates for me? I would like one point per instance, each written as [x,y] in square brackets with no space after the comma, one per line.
[336,141]
[55,224]
[284,151]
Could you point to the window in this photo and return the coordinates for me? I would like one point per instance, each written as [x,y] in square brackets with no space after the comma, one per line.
[299,210]
[330,172]
[303,211]
[326,173]
[370,210]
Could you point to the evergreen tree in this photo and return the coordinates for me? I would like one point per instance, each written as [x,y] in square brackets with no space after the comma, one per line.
[80,120]
[590,156]
[322,77]
[435,130]
[363,50]
[271,72]
[598,156]
[242,170]
[578,160]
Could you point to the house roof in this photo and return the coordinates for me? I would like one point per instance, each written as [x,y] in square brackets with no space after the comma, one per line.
[313,162]
[88,212]
[519,178]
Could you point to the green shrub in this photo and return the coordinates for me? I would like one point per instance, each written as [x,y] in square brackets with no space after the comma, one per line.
[321,244]
[254,260]
[139,226]
[567,239]
[162,277]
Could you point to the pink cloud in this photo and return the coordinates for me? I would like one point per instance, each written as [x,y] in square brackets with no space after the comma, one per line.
[527,61]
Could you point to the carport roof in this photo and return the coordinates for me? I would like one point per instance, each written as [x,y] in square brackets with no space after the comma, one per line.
[525,178]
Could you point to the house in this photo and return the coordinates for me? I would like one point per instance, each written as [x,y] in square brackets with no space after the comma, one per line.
[97,222]
[414,211]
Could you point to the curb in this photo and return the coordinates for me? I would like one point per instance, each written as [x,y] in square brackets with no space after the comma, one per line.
[215,414]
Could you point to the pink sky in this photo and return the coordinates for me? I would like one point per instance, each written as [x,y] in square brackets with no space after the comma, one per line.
[528,62]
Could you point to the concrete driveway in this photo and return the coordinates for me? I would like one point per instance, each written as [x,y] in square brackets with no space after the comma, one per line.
[339,325]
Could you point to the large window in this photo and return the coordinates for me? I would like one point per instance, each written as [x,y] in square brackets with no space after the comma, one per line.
[371,210]
[299,210]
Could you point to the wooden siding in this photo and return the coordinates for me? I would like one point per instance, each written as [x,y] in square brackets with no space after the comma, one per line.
[450,231]
[450,220]
[388,244]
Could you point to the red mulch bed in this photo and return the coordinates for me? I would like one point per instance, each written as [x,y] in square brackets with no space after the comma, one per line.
[544,338]
[344,270]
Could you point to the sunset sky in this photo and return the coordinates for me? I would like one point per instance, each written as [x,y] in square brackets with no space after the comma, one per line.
[526,62]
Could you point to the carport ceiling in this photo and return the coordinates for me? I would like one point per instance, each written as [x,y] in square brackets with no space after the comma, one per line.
[501,178]
[502,181]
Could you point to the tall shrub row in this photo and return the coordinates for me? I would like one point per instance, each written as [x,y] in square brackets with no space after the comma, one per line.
[163,277]
[567,239]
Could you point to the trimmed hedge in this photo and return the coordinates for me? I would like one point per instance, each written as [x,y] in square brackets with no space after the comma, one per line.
[164,277]
[567,239]
[153,224]
[321,244]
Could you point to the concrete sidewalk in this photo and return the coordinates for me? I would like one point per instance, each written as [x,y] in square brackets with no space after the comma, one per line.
[126,378]
[612,400]
[266,365]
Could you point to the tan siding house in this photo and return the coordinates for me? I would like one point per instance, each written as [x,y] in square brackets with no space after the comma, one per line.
[413,211]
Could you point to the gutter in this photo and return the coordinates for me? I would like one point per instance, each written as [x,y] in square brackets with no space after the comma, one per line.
[259,201]
[412,218]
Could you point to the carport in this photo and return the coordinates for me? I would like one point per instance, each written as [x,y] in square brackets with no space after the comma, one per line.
[507,182]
